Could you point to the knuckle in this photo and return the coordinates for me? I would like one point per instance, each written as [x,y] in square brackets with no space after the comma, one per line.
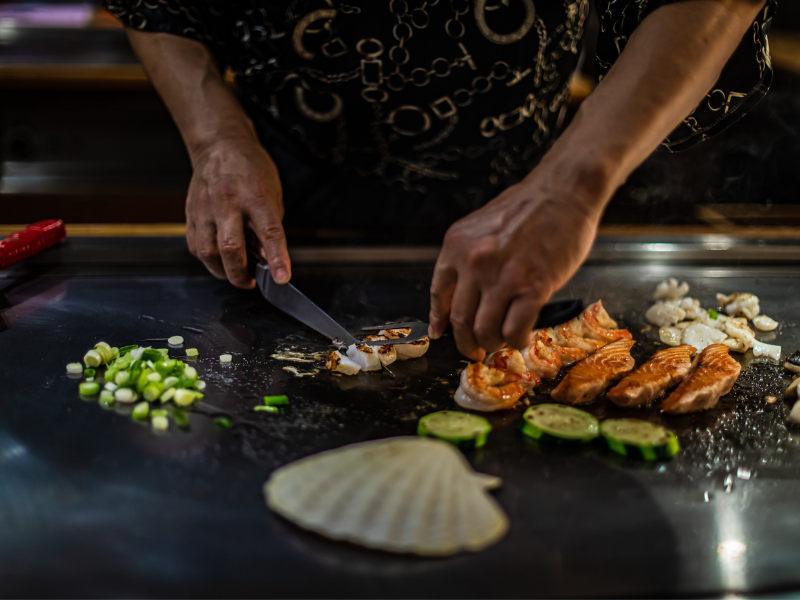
[459,321]
[231,248]
[207,253]
[274,233]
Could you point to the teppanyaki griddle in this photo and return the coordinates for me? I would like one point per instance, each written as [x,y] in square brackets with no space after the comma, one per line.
[93,504]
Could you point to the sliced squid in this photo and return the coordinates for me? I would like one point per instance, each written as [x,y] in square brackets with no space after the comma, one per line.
[665,314]
[338,363]
[764,323]
[700,336]
[740,305]
[364,356]
[406,351]
[670,290]
[386,354]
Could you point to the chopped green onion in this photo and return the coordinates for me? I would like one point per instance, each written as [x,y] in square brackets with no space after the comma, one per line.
[90,379]
[125,395]
[713,314]
[110,373]
[125,349]
[164,352]
[104,350]
[141,410]
[153,391]
[200,385]
[111,386]
[168,395]
[122,377]
[136,353]
[160,423]
[89,388]
[276,400]
[192,352]
[114,352]
[165,367]
[74,368]
[175,340]
[106,398]
[269,409]
[154,377]
[142,380]
[190,373]
[184,397]
[180,417]
[88,372]
[158,412]
[151,354]
[225,358]
[170,382]
[92,359]
[222,423]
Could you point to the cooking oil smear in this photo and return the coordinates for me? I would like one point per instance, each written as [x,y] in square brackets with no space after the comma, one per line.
[303,357]
[297,373]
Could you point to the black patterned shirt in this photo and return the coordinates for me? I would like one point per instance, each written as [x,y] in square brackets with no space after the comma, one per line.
[427,94]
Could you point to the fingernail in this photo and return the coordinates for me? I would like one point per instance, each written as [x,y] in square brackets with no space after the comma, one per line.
[281,276]
[432,333]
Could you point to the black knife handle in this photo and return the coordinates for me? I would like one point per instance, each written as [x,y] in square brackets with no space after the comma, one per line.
[556,313]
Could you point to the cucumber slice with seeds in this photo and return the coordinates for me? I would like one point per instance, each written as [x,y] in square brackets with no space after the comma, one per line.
[463,430]
[556,422]
[637,438]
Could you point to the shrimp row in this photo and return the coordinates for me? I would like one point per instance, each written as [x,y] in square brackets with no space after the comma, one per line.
[507,375]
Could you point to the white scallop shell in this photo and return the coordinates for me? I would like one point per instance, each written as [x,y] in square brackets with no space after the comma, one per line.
[402,494]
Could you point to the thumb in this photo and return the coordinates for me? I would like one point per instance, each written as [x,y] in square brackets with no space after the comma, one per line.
[268,229]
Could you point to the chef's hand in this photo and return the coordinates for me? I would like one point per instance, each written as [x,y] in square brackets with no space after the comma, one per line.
[499,265]
[236,186]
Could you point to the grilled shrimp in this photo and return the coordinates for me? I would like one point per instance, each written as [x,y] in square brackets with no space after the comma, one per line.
[487,389]
[599,326]
[512,361]
[570,346]
[541,357]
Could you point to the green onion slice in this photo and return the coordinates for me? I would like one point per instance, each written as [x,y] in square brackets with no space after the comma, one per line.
[192,352]
[276,400]
[269,409]
[74,368]
[88,372]
[89,388]
[222,423]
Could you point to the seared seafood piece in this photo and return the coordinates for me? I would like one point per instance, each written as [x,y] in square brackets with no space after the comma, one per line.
[713,374]
[386,354]
[570,345]
[512,361]
[597,325]
[406,351]
[364,356]
[336,362]
[487,389]
[541,357]
[595,373]
[664,370]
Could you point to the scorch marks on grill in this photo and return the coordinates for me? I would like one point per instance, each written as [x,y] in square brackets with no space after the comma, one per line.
[664,370]
[592,375]
[713,374]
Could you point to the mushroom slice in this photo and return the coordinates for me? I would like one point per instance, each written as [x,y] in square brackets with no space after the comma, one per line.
[364,356]
[386,354]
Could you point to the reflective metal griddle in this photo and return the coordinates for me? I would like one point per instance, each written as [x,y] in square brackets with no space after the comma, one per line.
[92,504]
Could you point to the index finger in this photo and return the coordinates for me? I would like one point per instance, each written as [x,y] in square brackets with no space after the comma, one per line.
[443,286]
[232,249]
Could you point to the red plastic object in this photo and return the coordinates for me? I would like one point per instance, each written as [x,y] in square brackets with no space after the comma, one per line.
[31,240]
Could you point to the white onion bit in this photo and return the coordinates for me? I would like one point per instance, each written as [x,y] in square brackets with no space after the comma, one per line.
[175,340]
[225,358]
[74,368]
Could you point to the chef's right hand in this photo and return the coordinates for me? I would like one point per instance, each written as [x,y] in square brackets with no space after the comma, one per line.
[235,185]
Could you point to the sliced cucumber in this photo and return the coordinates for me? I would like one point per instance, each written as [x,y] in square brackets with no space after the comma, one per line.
[463,430]
[634,437]
[557,422]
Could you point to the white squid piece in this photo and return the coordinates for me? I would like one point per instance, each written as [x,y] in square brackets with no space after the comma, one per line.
[764,323]
[670,290]
[671,336]
[770,350]
[364,356]
[386,354]
[665,314]
[336,362]
[406,351]
[700,336]
[740,305]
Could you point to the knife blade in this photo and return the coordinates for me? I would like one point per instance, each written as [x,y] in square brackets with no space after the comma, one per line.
[293,302]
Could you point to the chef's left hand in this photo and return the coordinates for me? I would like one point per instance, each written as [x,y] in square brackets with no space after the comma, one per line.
[499,265]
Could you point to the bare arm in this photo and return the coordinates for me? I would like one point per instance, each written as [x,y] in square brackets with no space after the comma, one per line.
[235,183]
[499,265]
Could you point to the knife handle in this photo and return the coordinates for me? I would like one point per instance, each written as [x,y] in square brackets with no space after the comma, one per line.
[31,240]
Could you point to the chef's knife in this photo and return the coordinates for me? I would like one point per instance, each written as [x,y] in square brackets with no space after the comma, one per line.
[292,301]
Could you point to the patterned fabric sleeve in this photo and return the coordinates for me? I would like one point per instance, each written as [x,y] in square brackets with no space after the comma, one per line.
[206,22]
[742,84]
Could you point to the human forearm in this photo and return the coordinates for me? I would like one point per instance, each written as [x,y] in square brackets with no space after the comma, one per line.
[186,77]
[669,64]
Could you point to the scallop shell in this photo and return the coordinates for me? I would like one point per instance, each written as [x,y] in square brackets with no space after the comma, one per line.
[402,494]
